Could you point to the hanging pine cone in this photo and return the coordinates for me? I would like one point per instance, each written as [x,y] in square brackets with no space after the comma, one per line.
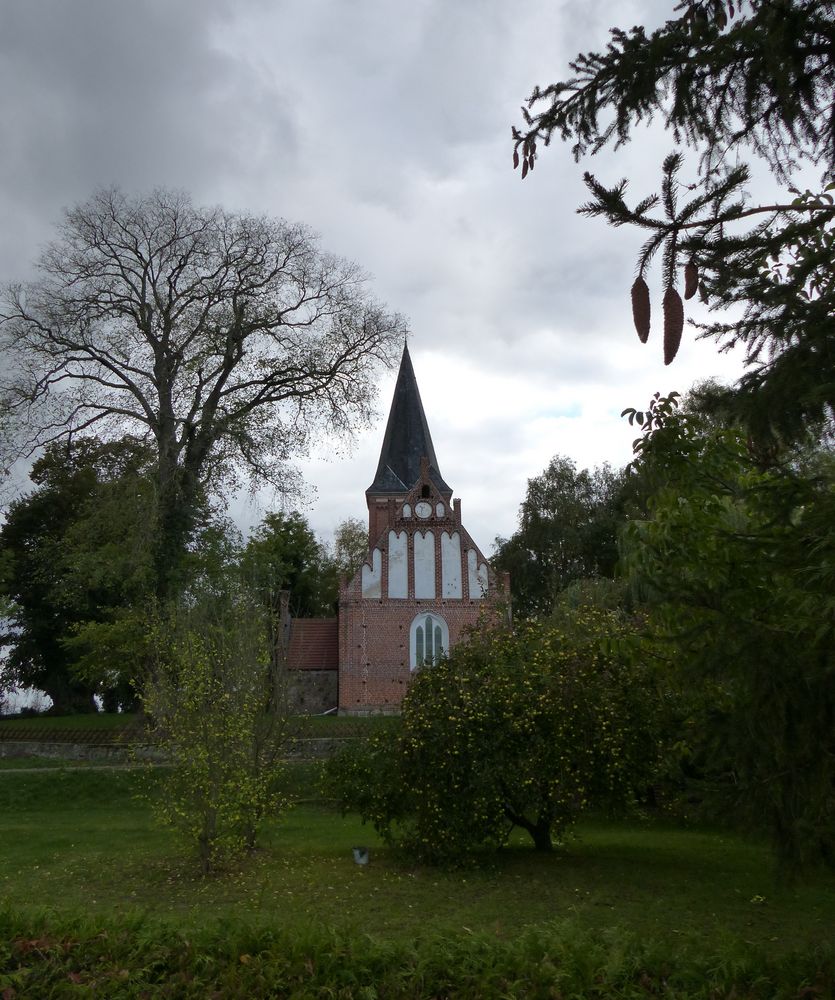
[691,280]
[673,323]
[640,308]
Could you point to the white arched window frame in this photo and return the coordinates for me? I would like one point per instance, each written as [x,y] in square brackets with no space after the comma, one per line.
[428,639]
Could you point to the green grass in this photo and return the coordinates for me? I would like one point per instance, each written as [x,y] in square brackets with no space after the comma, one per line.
[79,840]
[93,721]
[303,726]
[623,910]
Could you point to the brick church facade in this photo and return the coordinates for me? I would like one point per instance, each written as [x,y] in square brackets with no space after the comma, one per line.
[424,582]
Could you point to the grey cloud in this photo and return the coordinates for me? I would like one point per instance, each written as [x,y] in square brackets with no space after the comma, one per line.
[97,92]
[386,126]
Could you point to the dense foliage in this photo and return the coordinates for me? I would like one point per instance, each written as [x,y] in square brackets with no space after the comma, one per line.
[75,555]
[726,79]
[568,525]
[737,558]
[215,702]
[124,958]
[521,727]
[284,554]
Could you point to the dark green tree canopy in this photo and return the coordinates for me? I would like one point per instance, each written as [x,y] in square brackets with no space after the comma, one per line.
[74,552]
[567,532]
[757,78]
[735,556]
[285,554]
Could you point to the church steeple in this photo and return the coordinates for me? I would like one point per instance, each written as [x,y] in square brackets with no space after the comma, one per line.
[407,440]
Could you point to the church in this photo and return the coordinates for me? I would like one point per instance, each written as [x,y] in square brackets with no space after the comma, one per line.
[423,584]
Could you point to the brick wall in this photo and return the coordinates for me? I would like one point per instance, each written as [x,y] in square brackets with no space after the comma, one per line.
[374,632]
[374,670]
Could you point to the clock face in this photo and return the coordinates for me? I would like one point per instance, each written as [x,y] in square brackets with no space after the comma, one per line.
[423,509]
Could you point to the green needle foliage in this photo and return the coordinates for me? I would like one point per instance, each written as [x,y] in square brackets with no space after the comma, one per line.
[726,79]
[738,558]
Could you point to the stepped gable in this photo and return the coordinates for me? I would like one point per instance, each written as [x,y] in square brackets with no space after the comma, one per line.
[407,440]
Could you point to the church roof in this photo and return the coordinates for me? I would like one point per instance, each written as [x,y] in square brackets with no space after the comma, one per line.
[314,644]
[407,439]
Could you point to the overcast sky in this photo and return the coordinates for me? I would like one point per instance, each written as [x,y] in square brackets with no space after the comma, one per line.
[386,127]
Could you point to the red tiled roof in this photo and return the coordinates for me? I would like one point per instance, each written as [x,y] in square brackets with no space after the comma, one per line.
[314,644]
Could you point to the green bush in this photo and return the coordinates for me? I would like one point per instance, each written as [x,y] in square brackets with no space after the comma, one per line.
[521,727]
[216,707]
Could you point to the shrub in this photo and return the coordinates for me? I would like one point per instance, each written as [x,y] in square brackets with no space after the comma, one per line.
[216,707]
[526,726]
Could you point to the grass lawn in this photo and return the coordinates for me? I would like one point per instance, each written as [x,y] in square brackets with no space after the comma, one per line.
[79,840]
[43,763]
[304,725]
[78,844]
[91,721]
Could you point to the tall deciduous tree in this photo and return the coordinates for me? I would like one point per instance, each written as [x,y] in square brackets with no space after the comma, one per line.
[567,531]
[74,554]
[350,545]
[728,79]
[225,340]
[285,554]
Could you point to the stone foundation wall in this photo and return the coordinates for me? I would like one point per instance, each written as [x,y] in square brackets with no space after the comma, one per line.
[297,748]
[78,751]
[313,692]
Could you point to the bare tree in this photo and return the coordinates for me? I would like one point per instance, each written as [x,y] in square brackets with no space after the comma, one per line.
[226,340]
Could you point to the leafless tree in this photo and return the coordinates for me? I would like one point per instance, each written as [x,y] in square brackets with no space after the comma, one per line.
[226,340]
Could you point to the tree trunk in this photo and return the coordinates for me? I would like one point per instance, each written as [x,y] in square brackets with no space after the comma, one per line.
[540,831]
[541,834]
[69,697]
[175,520]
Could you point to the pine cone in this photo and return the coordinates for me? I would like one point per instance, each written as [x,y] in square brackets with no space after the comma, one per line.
[691,280]
[673,323]
[640,308]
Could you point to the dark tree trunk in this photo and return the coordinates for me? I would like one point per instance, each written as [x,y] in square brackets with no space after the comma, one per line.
[541,834]
[69,697]
[540,831]
[175,521]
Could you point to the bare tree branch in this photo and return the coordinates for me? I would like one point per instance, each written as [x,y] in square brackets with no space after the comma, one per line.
[227,339]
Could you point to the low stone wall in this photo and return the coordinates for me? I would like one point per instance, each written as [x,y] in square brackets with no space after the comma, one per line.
[121,736]
[79,751]
[298,748]
[364,713]
[313,692]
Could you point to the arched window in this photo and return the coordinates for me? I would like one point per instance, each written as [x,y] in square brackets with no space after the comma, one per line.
[428,640]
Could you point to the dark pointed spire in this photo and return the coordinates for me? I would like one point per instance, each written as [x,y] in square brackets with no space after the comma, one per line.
[407,439]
